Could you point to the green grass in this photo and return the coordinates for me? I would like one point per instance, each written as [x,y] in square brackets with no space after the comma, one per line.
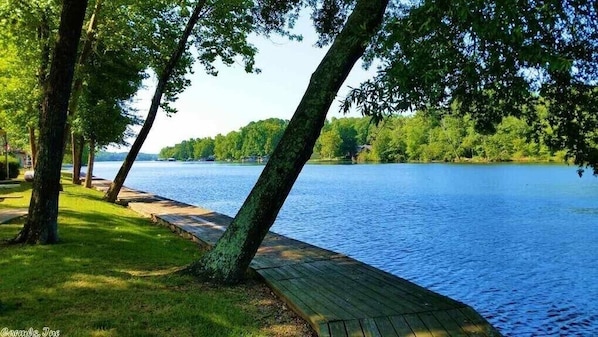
[112,275]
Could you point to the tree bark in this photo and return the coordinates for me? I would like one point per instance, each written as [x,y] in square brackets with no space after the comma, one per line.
[230,258]
[76,139]
[43,34]
[42,225]
[165,76]
[90,162]
[32,145]
[77,144]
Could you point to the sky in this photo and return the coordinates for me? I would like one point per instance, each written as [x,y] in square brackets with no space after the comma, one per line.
[213,105]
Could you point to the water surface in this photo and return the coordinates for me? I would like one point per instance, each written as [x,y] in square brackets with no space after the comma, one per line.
[519,243]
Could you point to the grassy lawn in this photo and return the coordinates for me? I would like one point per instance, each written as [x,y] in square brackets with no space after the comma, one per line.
[112,275]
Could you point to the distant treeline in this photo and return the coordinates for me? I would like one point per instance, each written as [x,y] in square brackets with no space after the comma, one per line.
[257,139]
[120,156]
[419,137]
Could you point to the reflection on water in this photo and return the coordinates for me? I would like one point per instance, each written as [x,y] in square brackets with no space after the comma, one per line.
[517,242]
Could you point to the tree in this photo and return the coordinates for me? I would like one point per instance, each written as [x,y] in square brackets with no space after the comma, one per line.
[229,259]
[41,225]
[222,33]
[330,142]
[204,148]
[475,54]
[76,139]
[491,59]
[25,35]
[104,115]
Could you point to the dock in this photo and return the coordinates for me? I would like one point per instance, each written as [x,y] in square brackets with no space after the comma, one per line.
[335,294]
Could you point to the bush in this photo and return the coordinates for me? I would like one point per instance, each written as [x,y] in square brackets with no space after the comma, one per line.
[13,168]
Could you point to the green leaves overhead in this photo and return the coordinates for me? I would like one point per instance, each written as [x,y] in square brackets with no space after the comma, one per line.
[486,58]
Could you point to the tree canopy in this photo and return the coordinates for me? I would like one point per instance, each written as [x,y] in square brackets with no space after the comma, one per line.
[491,59]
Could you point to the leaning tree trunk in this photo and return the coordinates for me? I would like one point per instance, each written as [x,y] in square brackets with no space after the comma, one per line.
[90,161]
[41,225]
[165,76]
[230,258]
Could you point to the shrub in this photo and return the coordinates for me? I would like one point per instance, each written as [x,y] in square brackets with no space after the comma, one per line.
[13,168]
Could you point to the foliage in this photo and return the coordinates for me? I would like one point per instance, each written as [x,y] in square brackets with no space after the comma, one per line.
[114,275]
[425,137]
[421,137]
[491,59]
[25,46]
[253,140]
[13,167]
[120,156]
[104,112]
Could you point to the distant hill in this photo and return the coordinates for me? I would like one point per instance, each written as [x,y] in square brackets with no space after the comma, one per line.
[120,156]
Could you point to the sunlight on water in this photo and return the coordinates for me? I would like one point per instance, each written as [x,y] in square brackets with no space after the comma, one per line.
[519,243]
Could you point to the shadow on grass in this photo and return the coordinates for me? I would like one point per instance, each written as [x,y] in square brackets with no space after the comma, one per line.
[115,276]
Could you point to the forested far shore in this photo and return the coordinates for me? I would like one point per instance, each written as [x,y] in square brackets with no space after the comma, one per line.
[416,138]
[120,156]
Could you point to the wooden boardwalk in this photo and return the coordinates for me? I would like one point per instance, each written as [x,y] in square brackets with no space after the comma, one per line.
[337,295]
[7,214]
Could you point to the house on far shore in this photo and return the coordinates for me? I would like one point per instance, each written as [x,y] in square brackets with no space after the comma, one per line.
[23,157]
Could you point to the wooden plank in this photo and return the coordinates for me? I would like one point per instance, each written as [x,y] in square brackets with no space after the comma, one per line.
[385,327]
[374,280]
[416,292]
[314,317]
[337,329]
[319,295]
[418,327]
[466,324]
[353,328]
[345,291]
[290,272]
[270,273]
[450,324]
[480,321]
[323,330]
[380,305]
[330,311]
[369,327]
[401,326]
[436,328]
[387,300]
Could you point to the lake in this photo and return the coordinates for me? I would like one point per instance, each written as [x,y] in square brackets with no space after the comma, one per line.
[519,243]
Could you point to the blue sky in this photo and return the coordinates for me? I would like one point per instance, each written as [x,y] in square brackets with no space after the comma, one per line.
[221,104]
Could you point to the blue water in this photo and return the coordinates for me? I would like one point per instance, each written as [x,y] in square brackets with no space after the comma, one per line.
[519,243]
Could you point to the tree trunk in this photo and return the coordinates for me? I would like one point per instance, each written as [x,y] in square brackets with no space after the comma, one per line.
[90,161]
[76,139]
[43,34]
[32,144]
[41,225]
[77,143]
[165,75]
[230,258]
